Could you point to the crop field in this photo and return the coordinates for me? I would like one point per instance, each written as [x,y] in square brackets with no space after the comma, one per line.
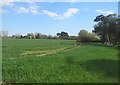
[58,61]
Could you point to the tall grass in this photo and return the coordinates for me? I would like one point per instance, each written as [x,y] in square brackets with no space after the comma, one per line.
[88,63]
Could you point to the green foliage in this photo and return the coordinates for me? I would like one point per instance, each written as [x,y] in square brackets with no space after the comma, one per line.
[85,36]
[63,35]
[108,28]
[88,63]
[34,36]
[72,38]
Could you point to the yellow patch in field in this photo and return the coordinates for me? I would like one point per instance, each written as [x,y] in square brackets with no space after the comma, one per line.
[45,52]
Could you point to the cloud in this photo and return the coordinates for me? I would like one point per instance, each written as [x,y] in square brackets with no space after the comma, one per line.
[10,3]
[31,9]
[49,13]
[6,2]
[22,10]
[67,14]
[104,12]
[70,12]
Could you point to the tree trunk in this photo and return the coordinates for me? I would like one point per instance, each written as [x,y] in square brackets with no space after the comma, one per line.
[108,39]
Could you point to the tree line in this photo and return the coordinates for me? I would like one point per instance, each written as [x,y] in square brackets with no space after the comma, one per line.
[61,35]
[34,36]
[107,29]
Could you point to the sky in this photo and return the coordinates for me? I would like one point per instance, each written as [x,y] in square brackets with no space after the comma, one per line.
[52,17]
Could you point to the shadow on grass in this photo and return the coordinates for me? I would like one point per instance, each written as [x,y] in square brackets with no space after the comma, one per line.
[109,68]
[102,45]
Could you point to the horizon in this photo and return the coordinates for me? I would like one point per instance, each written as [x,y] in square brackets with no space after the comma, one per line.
[51,18]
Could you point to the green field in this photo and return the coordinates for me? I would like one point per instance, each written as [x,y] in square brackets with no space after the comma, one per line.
[58,61]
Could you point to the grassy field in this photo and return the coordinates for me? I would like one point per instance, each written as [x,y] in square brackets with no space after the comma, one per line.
[58,61]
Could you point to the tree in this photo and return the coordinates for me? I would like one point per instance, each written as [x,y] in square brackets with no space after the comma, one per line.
[37,35]
[72,38]
[50,36]
[85,36]
[30,35]
[58,34]
[63,35]
[107,28]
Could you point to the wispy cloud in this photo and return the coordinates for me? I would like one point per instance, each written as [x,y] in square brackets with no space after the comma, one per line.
[51,14]
[33,9]
[56,16]
[70,12]
[105,12]
[5,3]
[22,10]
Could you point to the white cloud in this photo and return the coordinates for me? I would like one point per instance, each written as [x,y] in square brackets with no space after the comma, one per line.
[22,10]
[70,12]
[67,14]
[6,2]
[51,14]
[104,12]
[31,9]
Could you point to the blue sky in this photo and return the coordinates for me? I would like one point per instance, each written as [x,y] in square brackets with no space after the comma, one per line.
[53,17]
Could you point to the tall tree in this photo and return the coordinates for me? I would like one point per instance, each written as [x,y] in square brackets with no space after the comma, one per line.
[107,27]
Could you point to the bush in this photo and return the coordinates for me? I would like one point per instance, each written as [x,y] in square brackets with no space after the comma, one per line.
[85,36]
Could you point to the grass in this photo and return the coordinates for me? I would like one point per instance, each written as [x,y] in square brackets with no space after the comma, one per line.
[60,61]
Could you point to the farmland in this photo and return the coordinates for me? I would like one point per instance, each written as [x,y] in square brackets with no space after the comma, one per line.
[58,61]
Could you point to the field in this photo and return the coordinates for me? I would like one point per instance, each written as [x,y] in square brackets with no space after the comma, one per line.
[58,61]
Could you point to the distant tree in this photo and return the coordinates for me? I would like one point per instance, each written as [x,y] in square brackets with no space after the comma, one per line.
[72,38]
[4,33]
[30,35]
[44,36]
[13,36]
[59,34]
[50,36]
[63,35]
[37,35]
[16,36]
[21,36]
[85,36]
[55,37]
